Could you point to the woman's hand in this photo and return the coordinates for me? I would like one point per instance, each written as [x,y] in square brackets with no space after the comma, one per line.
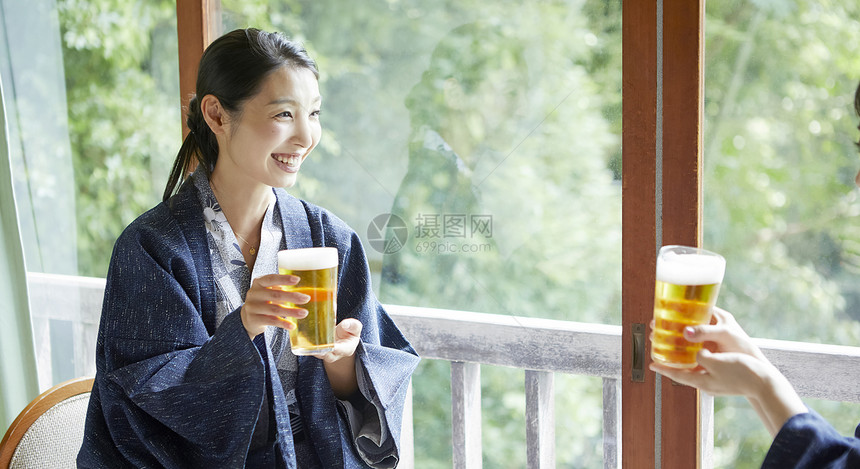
[340,362]
[346,337]
[722,373]
[265,304]
[731,364]
[725,332]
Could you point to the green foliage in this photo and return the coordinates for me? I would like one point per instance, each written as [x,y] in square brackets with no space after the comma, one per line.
[780,201]
[123,114]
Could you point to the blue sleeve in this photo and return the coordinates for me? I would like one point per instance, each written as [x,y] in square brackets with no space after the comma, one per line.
[169,392]
[386,360]
[808,441]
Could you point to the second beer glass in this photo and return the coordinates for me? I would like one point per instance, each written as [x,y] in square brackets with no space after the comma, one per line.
[688,282]
[317,268]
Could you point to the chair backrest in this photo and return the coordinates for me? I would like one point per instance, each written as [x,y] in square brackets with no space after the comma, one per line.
[49,432]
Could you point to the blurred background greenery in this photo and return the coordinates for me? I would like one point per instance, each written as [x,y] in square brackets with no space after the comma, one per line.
[524,100]
[779,195]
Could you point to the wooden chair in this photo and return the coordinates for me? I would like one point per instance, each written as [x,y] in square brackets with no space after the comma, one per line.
[49,432]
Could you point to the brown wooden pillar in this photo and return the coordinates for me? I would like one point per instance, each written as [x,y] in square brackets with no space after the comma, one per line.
[683,46]
[198,22]
[639,143]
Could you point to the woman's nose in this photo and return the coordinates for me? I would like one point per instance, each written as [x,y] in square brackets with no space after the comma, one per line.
[302,132]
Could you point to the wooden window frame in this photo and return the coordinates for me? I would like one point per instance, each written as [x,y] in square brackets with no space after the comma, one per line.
[683,80]
[198,23]
[639,224]
[684,430]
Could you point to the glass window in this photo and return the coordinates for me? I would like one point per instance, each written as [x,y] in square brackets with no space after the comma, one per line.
[92,101]
[475,148]
[780,201]
[490,130]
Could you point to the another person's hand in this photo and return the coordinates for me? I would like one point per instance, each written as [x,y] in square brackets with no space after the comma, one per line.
[731,364]
[264,304]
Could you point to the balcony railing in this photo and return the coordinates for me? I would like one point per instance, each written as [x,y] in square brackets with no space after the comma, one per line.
[540,347]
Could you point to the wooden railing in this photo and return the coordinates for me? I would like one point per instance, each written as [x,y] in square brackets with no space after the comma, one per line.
[540,347]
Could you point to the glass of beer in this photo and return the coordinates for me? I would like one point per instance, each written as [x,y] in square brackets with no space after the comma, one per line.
[317,269]
[688,282]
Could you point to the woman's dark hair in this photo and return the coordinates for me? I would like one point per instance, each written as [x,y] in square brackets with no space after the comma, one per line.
[231,69]
[857,108]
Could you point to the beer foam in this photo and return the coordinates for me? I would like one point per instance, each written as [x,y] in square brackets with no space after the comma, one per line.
[307,258]
[690,269]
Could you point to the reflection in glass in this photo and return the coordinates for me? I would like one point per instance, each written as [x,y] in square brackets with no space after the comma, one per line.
[486,127]
[475,84]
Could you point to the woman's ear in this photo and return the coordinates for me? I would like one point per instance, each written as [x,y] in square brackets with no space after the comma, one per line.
[213,113]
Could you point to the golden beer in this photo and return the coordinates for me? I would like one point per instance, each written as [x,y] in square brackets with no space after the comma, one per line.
[688,283]
[317,268]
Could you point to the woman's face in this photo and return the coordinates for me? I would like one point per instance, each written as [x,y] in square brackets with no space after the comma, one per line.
[275,130]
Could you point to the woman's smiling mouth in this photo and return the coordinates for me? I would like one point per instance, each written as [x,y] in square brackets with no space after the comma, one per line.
[288,162]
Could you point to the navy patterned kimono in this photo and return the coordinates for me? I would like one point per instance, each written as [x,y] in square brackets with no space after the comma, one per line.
[176,387]
[808,441]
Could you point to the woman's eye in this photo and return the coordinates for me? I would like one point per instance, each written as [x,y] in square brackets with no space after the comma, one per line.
[316,113]
[285,114]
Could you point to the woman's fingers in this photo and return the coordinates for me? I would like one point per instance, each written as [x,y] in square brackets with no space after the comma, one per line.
[267,304]
[723,330]
[719,374]
[721,315]
[278,310]
[346,337]
[280,296]
[349,328]
[276,280]
[696,379]
[701,333]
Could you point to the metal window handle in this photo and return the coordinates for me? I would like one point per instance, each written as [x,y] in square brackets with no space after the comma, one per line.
[638,352]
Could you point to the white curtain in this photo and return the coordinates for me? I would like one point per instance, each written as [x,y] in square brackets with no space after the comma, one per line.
[37,147]
[18,377]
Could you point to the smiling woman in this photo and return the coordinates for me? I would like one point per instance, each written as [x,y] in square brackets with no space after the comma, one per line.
[192,349]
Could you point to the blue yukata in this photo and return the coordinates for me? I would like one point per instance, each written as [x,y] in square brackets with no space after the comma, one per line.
[807,441]
[179,383]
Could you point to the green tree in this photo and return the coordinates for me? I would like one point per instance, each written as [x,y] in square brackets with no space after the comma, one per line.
[780,201]
[124,126]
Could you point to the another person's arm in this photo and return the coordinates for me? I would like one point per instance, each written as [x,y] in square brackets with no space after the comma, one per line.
[737,367]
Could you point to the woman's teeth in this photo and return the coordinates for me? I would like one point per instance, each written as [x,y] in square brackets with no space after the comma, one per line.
[289,160]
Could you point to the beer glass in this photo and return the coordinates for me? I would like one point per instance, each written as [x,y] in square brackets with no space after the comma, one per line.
[688,282]
[317,268]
